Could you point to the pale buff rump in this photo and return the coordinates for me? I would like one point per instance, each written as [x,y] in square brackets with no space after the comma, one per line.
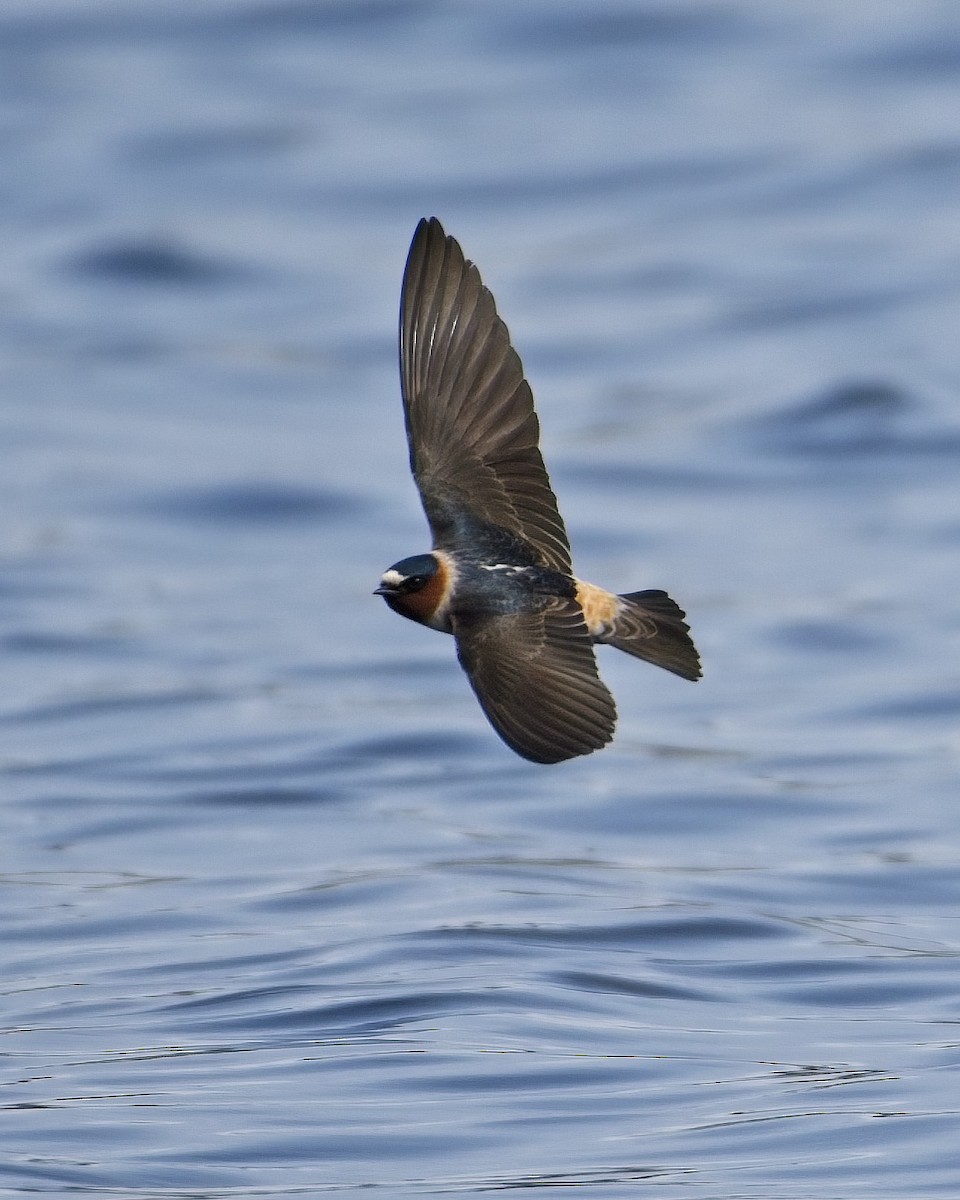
[600,608]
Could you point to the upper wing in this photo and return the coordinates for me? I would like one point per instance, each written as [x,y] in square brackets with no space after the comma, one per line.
[535,675]
[473,433]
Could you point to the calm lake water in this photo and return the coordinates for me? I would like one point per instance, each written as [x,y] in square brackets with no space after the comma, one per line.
[281,915]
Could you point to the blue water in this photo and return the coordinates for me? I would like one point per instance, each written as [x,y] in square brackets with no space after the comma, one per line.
[280,914]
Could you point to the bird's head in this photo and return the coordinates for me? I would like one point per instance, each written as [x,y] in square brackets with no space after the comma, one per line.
[414,587]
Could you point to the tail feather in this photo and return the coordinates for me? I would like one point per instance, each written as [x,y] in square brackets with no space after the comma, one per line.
[651,626]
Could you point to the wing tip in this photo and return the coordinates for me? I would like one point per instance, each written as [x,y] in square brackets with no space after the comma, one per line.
[557,753]
[429,229]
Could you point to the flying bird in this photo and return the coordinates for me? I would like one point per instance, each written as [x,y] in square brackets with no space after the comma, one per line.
[500,576]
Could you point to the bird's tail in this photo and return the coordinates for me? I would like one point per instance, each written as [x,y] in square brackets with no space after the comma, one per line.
[651,626]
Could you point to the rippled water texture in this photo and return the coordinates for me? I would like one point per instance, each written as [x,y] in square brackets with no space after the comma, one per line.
[281,916]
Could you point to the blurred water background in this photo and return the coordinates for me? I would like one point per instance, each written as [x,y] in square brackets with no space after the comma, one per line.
[280,914]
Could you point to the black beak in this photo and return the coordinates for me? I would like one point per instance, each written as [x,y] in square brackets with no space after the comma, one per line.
[383,590]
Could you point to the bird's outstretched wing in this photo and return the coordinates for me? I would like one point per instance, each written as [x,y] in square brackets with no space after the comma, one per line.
[473,433]
[535,675]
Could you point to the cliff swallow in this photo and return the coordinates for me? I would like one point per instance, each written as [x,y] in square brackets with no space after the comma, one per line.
[499,576]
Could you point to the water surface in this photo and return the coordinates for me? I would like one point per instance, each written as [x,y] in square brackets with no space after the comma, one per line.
[281,916]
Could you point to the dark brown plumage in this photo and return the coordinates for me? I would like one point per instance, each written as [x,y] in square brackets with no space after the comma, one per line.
[474,436]
[500,576]
[535,675]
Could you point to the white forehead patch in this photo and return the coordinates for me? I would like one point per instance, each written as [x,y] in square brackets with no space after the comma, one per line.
[392,578]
